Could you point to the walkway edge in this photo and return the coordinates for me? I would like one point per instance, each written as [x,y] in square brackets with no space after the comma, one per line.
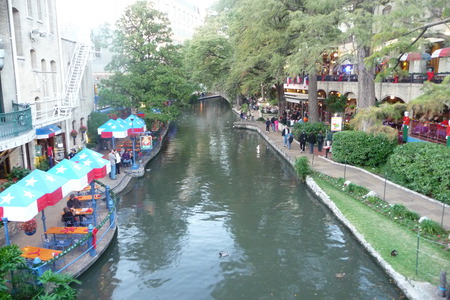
[414,290]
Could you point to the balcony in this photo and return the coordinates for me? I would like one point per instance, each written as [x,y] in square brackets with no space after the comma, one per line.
[15,123]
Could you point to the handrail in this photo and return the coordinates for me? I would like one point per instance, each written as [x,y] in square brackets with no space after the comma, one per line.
[112,210]
[15,123]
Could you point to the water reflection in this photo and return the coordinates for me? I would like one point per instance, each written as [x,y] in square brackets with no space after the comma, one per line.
[214,188]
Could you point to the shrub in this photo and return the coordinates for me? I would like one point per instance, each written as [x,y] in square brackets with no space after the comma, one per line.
[18,173]
[431,227]
[356,190]
[361,149]
[302,167]
[422,167]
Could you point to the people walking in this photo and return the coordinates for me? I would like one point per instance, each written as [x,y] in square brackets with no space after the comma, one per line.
[320,139]
[311,141]
[284,133]
[302,139]
[290,140]
[267,125]
[329,138]
[272,122]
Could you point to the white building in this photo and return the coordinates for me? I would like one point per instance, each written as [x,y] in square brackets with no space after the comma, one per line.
[46,87]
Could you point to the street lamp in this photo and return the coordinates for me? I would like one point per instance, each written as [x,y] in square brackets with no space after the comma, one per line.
[133,139]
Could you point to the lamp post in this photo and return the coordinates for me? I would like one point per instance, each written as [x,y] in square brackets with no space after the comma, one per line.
[133,139]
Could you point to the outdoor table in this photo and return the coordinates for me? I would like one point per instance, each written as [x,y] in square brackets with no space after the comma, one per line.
[43,253]
[82,211]
[88,197]
[67,230]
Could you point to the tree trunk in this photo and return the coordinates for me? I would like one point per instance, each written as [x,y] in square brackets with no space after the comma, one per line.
[281,98]
[313,105]
[366,84]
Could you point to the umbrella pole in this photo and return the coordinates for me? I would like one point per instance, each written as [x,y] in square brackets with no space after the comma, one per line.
[5,225]
[113,142]
[94,203]
[43,222]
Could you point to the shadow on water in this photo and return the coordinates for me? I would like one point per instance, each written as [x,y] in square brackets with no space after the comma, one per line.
[217,190]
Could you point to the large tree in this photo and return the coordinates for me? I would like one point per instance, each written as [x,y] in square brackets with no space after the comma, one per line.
[147,67]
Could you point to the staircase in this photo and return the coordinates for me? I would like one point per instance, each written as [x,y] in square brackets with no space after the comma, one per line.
[74,78]
[50,110]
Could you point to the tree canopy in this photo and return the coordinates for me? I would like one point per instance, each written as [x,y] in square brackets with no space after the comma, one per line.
[147,67]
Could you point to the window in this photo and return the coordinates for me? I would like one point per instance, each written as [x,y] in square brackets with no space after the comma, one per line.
[17,32]
[30,9]
[39,9]
[33,59]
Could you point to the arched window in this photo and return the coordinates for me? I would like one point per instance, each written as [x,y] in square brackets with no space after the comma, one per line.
[33,59]
[54,78]
[18,32]
[44,77]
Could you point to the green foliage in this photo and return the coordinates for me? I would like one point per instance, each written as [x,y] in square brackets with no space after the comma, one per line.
[58,286]
[431,227]
[43,165]
[18,173]
[147,67]
[422,167]
[96,119]
[356,190]
[302,168]
[335,104]
[309,127]
[401,211]
[361,149]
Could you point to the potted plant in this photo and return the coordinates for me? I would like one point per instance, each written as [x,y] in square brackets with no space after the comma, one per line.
[29,227]
[74,133]
[83,129]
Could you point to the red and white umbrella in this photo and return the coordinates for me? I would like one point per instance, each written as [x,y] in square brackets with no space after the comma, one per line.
[19,203]
[79,175]
[441,53]
[93,160]
[113,128]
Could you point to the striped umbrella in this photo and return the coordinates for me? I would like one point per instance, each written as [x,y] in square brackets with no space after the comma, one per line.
[93,160]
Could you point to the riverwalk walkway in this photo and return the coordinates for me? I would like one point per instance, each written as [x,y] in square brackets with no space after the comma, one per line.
[389,191]
[53,217]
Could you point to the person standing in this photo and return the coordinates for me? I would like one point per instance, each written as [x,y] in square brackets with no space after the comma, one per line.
[272,122]
[284,133]
[329,138]
[302,139]
[267,125]
[72,153]
[290,140]
[311,141]
[112,162]
[320,139]
[118,162]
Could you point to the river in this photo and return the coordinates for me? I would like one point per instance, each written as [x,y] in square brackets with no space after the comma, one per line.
[218,190]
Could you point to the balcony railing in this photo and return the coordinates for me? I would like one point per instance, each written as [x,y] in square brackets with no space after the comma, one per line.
[431,132]
[15,123]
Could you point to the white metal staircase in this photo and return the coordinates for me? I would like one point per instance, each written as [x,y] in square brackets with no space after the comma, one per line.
[74,78]
[52,110]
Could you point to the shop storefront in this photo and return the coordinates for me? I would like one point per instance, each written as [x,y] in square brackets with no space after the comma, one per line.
[50,145]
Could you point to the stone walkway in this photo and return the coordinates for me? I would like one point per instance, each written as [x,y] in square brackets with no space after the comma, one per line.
[385,189]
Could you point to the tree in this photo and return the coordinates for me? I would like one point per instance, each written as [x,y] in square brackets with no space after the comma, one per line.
[147,67]
[315,30]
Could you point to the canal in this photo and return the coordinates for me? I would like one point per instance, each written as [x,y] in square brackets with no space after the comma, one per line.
[217,190]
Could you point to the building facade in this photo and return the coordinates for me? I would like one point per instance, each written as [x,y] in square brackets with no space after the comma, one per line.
[46,86]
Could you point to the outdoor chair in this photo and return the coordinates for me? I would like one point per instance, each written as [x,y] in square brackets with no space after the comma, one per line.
[47,241]
[62,242]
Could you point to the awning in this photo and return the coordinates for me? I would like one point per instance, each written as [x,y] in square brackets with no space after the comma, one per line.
[47,132]
[411,56]
[441,53]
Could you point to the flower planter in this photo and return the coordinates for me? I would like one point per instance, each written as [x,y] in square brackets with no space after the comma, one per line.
[30,232]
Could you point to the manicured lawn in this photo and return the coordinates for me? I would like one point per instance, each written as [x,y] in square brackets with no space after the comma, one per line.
[386,235]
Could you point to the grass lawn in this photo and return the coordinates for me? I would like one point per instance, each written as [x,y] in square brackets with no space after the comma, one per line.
[385,235]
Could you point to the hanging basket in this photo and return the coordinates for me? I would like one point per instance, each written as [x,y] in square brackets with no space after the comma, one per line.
[74,133]
[83,129]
